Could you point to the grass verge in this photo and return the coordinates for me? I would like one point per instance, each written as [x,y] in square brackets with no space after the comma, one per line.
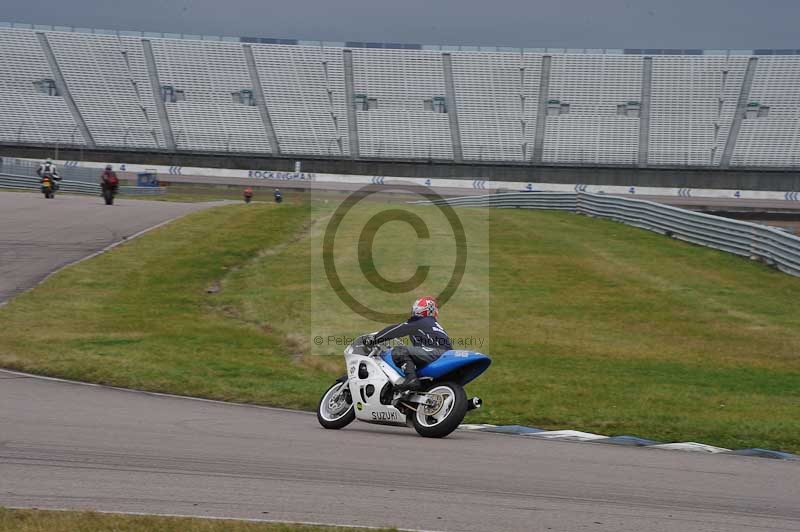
[592,325]
[57,521]
[198,193]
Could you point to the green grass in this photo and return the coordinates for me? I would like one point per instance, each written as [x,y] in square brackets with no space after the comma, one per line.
[199,193]
[591,324]
[57,521]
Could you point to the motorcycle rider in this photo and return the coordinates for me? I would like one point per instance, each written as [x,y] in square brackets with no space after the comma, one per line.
[428,337]
[109,179]
[277,195]
[49,170]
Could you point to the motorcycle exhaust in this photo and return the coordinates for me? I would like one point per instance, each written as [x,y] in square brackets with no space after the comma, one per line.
[474,403]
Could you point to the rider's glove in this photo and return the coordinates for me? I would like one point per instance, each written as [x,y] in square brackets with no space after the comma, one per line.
[369,341]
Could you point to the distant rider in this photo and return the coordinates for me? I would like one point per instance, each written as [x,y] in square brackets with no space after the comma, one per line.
[109,179]
[248,194]
[49,170]
[429,340]
[278,196]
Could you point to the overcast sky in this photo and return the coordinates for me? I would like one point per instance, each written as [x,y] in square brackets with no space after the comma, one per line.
[522,23]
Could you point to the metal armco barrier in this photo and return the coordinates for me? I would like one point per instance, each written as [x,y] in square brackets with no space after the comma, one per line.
[772,246]
[22,182]
[560,201]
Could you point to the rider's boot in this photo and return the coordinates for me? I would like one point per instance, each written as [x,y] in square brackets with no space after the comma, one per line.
[411,381]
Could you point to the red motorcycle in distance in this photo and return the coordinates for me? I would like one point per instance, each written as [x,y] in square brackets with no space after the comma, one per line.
[109,186]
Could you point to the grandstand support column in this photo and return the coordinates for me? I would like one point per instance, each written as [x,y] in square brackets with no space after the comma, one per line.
[61,85]
[155,84]
[541,113]
[741,106]
[261,101]
[644,110]
[352,116]
[452,108]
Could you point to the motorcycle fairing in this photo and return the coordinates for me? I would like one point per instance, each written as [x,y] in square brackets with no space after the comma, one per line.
[459,366]
[369,407]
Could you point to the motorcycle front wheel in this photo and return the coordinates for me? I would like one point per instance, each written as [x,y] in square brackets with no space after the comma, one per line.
[335,410]
[445,413]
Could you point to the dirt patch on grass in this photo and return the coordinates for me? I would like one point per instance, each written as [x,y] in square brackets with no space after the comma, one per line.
[296,344]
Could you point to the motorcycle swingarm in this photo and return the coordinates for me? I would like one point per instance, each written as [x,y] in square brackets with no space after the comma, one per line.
[417,398]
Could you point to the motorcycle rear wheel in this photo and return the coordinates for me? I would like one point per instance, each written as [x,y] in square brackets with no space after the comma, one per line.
[443,417]
[335,409]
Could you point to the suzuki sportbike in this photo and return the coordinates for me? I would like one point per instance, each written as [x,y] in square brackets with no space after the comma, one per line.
[369,391]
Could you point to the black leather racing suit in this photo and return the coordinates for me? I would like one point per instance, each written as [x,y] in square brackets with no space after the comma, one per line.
[429,341]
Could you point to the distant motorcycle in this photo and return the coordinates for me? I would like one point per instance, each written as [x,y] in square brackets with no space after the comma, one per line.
[109,185]
[48,187]
[278,197]
[248,195]
[369,392]
[109,192]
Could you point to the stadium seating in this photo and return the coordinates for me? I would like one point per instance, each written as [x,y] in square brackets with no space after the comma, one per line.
[593,85]
[693,100]
[488,89]
[133,51]
[104,90]
[595,105]
[28,115]
[304,90]
[774,139]
[400,82]
[209,73]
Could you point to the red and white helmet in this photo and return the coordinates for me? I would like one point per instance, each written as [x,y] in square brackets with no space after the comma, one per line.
[425,307]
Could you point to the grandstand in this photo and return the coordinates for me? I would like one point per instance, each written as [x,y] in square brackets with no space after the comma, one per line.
[266,97]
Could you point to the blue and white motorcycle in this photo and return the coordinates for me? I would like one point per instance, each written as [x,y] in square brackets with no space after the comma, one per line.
[368,392]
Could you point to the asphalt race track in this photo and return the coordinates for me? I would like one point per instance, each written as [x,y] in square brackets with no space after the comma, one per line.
[67,445]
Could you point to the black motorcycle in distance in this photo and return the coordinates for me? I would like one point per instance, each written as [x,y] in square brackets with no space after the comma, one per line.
[48,187]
